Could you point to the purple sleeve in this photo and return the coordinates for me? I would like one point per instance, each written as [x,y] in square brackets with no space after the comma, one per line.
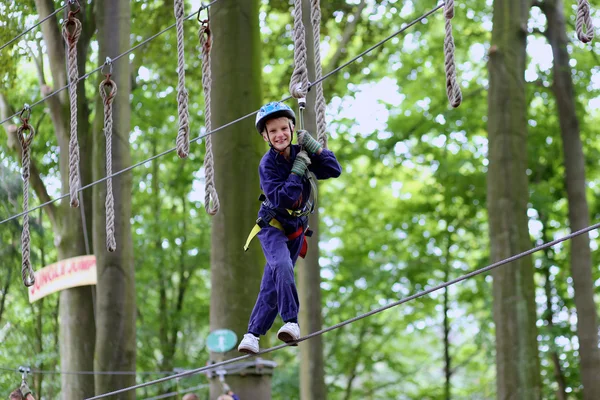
[281,188]
[235,397]
[325,165]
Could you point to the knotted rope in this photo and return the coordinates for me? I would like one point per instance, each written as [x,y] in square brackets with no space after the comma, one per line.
[211,197]
[183,134]
[320,105]
[107,98]
[583,17]
[452,87]
[27,272]
[299,81]
[72,37]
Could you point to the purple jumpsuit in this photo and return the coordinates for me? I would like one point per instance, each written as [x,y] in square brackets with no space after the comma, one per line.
[283,190]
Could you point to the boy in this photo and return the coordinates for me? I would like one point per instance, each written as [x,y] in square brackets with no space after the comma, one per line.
[283,218]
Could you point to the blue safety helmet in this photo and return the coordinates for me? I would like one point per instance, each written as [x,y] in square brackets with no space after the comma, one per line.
[274,109]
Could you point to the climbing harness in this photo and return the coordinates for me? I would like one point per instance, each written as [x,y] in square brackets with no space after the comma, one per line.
[270,220]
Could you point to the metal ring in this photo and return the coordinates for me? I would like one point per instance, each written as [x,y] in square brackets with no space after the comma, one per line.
[110,65]
[27,111]
[203,7]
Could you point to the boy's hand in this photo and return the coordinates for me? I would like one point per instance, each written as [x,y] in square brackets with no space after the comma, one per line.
[308,142]
[301,163]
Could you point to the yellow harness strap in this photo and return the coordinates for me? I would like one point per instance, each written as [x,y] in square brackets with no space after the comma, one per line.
[274,223]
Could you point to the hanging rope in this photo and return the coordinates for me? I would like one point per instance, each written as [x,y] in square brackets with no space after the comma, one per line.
[72,37]
[320,105]
[107,98]
[363,53]
[183,134]
[27,272]
[583,17]
[452,87]
[299,82]
[211,197]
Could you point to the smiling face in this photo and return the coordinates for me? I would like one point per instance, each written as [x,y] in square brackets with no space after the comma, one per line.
[278,133]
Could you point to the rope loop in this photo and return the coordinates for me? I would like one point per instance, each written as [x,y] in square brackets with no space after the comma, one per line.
[108,91]
[452,87]
[584,18]
[27,273]
[211,197]
[299,83]
[72,37]
[320,104]
[183,133]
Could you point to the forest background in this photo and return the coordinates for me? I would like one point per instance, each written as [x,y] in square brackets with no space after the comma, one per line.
[410,210]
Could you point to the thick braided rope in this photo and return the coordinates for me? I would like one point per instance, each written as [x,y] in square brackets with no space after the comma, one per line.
[72,38]
[107,98]
[584,17]
[452,87]
[299,81]
[211,197]
[320,104]
[27,272]
[183,134]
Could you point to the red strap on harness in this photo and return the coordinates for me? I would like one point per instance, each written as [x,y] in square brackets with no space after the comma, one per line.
[295,235]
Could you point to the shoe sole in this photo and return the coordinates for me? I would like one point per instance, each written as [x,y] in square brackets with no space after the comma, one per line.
[287,338]
[247,351]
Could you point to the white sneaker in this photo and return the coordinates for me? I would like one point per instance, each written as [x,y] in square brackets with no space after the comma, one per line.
[249,344]
[289,332]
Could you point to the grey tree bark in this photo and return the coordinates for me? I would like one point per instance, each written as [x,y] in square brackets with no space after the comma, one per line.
[308,271]
[579,216]
[517,360]
[237,150]
[115,291]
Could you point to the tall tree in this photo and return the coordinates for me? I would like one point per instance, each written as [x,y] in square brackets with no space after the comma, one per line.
[579,216]
[115,299]
[312,371]
[77,329]
[517,360]
[237,150]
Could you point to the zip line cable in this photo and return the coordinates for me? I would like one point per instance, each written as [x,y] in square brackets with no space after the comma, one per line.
[48,372]
[202,7]
[172,394]
[362,316]
[34,26]
[380,43]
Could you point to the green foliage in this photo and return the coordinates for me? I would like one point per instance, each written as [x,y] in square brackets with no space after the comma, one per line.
[408,213]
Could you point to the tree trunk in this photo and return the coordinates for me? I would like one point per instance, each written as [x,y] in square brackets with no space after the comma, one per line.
[579,217]
[115,293]
[237,150]
[517,359]
[447,358]
[76,313]
[312,373]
